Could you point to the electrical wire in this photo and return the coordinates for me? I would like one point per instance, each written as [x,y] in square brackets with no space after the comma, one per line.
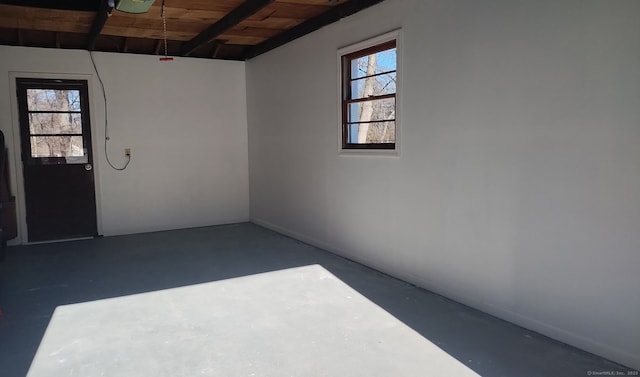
[106,120]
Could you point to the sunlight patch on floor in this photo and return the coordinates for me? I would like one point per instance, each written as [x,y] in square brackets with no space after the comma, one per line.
[296,322]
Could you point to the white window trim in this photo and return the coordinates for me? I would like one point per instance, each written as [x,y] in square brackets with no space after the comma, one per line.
[397,35]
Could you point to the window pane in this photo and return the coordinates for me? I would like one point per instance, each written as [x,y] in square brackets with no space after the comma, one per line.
[53,100]
[372,133]
[366,111]
[383,61]
[374,86]
[55,123]
[57,146]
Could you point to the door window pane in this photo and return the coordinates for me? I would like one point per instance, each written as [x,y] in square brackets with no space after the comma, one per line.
[53,100]
[55,123]
[57,146]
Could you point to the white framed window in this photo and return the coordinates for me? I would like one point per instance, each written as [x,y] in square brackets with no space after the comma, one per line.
[369,95]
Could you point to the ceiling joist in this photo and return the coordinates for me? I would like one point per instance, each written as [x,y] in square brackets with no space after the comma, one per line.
[239,14]
[335,14]
[98,23]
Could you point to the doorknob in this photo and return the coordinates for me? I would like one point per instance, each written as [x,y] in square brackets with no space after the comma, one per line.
[88,167]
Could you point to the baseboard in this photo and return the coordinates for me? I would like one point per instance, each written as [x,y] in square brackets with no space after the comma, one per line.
[575,340]
[292,234]
[589,345]
[165,228]
[319,244]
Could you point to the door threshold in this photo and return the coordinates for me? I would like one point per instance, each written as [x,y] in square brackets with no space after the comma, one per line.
[61,240]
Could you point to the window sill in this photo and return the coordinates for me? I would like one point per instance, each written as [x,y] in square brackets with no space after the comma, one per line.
[370,152]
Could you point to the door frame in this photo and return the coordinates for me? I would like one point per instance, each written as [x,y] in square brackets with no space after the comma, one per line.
[17,176]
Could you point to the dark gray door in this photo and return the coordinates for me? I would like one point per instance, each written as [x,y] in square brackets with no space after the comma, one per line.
[57,158]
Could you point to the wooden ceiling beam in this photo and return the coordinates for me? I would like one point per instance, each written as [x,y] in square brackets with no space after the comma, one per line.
[233,18]
[98,23]
[71,5]
[335,14]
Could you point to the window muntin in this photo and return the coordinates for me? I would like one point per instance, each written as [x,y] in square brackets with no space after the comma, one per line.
[369,86]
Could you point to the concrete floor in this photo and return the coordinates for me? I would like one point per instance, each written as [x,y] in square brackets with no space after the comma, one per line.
[431,335]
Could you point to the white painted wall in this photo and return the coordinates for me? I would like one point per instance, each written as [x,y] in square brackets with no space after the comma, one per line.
[517,190]
[185,122]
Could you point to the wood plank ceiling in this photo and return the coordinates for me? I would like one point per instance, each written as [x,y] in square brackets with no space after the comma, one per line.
[218,29]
